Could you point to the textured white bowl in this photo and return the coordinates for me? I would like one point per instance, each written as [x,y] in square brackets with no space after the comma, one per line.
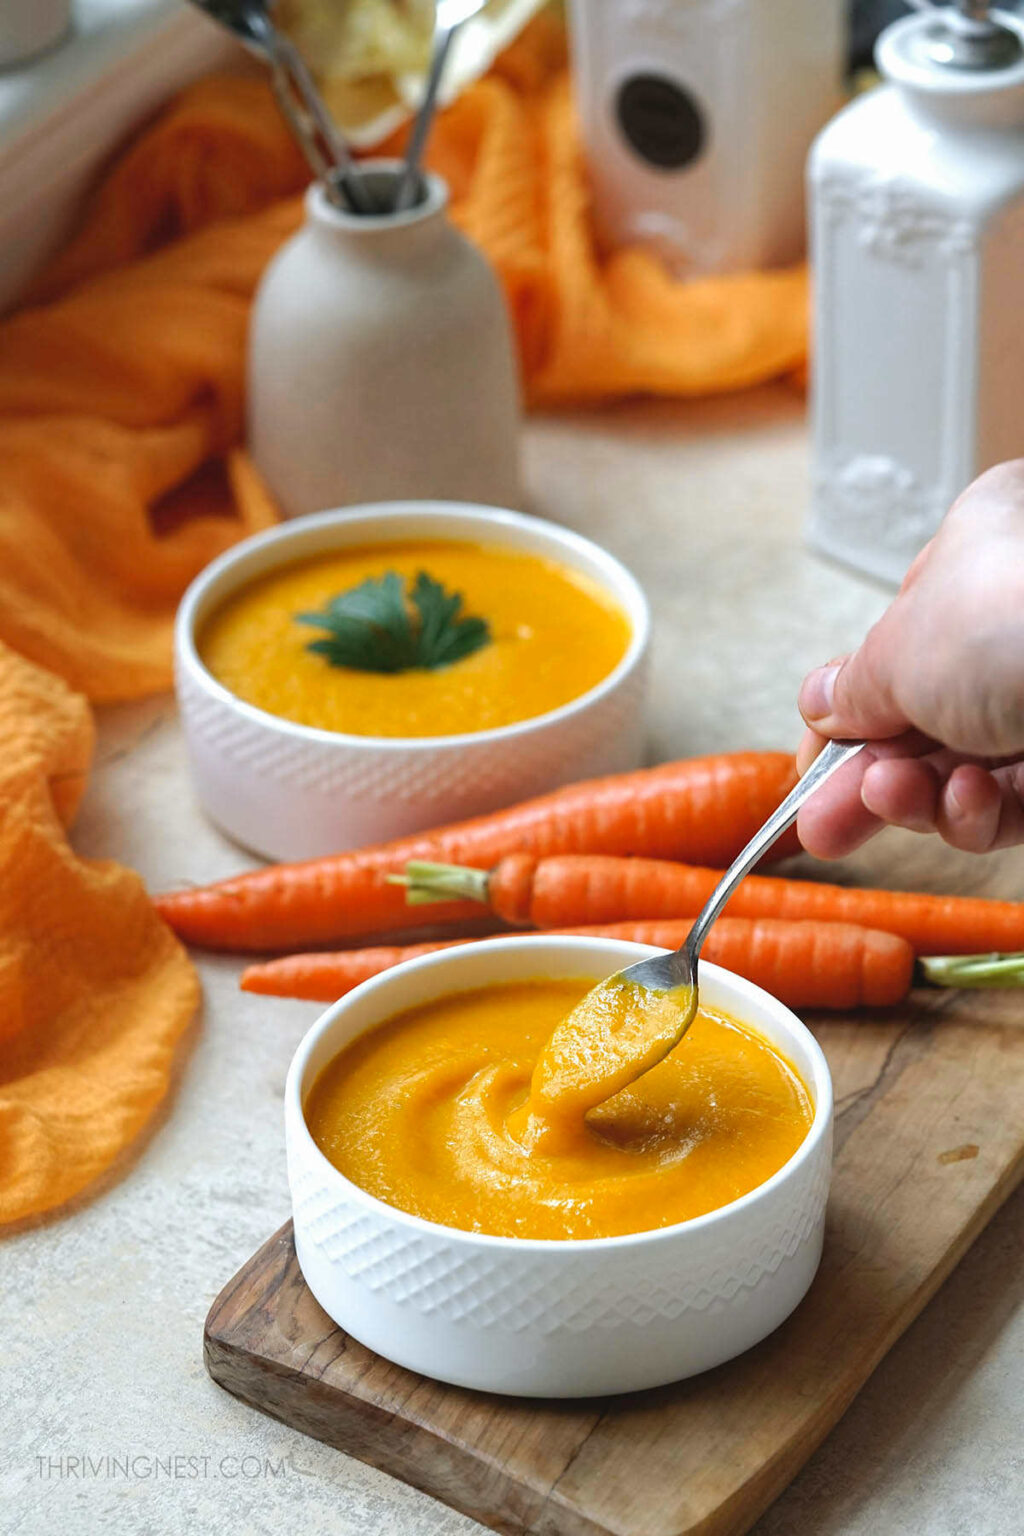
[565,1318]
[288,791]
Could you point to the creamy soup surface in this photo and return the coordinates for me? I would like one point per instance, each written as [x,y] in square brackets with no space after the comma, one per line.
[430,1112]
[554,635]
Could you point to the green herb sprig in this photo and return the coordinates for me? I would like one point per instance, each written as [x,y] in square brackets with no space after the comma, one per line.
[378,627]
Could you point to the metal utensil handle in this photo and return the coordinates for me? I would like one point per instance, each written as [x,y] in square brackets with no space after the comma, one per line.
[326,152]
[406,194]
[832,757]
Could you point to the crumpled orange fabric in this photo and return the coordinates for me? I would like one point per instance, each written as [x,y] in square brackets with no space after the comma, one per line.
[122,475]
[95,992]
[120,478]
[593,330]
[121,383]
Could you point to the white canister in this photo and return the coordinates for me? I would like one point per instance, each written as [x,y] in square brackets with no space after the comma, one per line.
[696,118]
[917,194]
[381,364]
[27,27]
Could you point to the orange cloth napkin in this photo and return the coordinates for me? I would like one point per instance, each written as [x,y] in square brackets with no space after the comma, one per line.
[120,406]
[95,992]
[121,412]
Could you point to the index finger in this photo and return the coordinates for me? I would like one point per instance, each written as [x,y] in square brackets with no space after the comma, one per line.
[835,821]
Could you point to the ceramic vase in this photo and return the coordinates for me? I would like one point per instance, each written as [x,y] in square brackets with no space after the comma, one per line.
[381,364]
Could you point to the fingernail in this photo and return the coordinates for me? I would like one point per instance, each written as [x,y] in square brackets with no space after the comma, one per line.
[818,692]
[954,806]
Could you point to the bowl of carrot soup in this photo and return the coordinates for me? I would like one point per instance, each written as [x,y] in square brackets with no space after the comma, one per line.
[466,1204]
[357,675]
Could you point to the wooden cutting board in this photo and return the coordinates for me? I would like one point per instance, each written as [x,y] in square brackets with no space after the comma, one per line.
[930,1141]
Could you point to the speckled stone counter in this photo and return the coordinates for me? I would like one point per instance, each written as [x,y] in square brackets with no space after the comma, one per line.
[109,1422]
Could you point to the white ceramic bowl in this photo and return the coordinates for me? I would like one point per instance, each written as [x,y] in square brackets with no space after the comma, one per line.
[565,1318]
[289,791]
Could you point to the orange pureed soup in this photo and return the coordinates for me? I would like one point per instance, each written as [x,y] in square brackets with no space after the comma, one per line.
[426,1112]
[553,634]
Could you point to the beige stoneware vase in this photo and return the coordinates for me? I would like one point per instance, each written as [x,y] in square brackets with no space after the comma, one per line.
[381,364]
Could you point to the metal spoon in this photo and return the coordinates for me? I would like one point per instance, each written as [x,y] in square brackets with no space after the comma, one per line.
[449,16]
[324,148]
[678,972]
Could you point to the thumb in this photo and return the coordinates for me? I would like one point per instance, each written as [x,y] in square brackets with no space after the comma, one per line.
[854,696]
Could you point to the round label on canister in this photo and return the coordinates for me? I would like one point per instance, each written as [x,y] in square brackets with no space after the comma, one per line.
[661,121]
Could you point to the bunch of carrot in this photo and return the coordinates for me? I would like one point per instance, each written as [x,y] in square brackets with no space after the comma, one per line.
[603,857]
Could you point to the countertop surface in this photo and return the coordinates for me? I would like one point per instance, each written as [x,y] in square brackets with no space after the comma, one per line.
[108,1421]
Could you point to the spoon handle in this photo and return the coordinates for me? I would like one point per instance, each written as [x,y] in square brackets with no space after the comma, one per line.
[832,756]
[325,150]
[406,195]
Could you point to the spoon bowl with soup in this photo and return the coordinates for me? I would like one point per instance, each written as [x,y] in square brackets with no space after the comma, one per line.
[630,1022]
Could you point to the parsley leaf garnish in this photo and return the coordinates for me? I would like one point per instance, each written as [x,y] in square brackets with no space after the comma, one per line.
[376,627]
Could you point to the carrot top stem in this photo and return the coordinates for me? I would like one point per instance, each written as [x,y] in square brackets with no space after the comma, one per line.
[993,970]
[426,882]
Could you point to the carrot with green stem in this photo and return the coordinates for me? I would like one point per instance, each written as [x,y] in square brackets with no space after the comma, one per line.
[571,891]
[805,965]
[704,809]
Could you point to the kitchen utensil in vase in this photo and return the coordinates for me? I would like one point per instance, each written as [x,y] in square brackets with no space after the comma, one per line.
[449,16]
[298,97]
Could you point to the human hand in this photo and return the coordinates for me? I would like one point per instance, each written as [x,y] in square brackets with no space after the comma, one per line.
[936,689]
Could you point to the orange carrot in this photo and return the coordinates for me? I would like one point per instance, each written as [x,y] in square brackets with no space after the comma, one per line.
[325,975]
[703,809]
[805,965]
[566,891]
